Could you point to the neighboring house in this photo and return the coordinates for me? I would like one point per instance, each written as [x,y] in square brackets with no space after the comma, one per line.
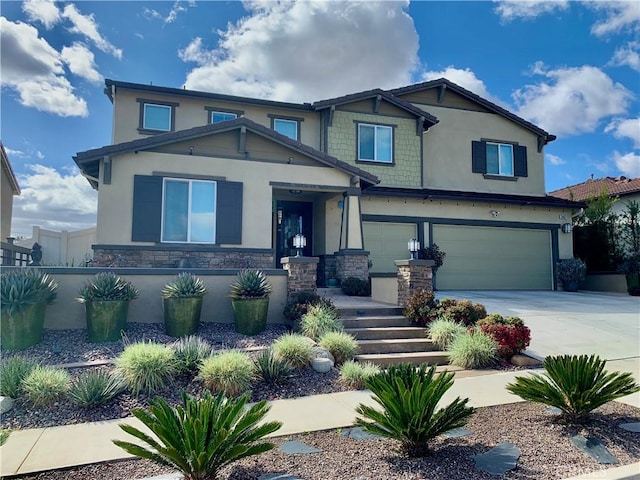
[227,182]
[8,188]
[623,188]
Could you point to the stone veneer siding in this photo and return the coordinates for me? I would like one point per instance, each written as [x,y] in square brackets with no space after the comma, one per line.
[302,273]
[150,258]
[407,170]
[413,275]
[352,264]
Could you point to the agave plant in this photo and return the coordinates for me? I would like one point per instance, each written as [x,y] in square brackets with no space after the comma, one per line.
[250,284]
[200,437]
[22,288]
[107,286]
[408,397]
[574,384]
[184,286]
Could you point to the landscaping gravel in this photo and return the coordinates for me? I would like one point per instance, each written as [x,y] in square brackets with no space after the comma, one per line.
[546,452]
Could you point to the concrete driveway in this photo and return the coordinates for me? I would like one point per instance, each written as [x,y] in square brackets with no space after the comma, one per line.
[606,324]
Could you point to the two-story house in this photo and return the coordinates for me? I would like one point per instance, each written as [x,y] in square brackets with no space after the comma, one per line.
[227,181]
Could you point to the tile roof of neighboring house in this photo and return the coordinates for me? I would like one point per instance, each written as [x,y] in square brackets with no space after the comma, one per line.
[614,186]
[8,171]
[89,161]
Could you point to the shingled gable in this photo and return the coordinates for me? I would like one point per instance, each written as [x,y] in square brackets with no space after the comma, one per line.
[429,120]
[445,84]
[89,161]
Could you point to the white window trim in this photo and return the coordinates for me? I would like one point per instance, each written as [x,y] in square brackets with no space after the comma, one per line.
[286,120]
[215,211]
[375,143]
[513,167]
[144,116]
[213,112]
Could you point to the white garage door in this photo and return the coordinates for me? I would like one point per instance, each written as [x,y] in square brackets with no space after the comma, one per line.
[387,242]
[487,258]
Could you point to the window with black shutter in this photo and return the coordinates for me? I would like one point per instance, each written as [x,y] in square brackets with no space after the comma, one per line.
[495,159]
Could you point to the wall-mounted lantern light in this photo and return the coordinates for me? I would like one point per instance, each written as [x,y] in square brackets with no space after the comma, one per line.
[413,246]
[299,242]
[567,228]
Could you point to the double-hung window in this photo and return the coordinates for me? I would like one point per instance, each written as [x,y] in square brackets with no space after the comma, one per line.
[288,128]
[375,143]
[188,211]
[499,159]
[217,117]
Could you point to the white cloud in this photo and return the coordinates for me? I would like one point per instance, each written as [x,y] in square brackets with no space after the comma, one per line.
[54,200]
[625,128]
[509,10]
[620,16]
[81,62]
[43,11]
[40,155]
[628,55]
[465,78]
[554,159]
[571,100]
[14,153]
[176,9]
[86,25]
[35,70]
[308,50]
[628,164]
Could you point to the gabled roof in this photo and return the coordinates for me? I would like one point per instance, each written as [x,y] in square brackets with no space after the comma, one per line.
[613,186]
[8,171]
[447,84]
[429,119]
[89,161]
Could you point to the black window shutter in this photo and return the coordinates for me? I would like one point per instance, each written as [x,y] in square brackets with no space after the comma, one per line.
[478,157]
[520,161]
[229,213]
[147,208]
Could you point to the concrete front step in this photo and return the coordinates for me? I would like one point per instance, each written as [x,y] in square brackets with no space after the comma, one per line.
[369,311]
[376,321]
[396,345]
[413,358]
[379,333]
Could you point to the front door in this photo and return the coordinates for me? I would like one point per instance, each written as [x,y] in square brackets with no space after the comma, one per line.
[292,218]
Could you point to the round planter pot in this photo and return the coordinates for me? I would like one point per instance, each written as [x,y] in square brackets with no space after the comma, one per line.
[182,315]
[106,319]
[23,329]
[332,283]
[250,315]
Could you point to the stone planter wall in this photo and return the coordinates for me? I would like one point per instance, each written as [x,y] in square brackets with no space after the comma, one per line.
[302,274]
[413,275]
[352,263]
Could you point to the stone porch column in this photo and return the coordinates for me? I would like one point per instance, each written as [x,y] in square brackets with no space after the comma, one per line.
[302,274]
[352,263]
[413,275]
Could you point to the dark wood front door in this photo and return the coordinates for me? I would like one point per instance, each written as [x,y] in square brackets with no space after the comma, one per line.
[293,218]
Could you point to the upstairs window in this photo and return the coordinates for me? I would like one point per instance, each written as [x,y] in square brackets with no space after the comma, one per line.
[498,160]
[156,116]
[288,128]
[188,211]
[375,143]
[217,117]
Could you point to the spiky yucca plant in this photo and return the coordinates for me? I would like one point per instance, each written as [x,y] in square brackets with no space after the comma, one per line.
[574,384]
[409,397]
[107,286]
[250,284]
[20,289]
[200,437]
[12,372]
[184,286]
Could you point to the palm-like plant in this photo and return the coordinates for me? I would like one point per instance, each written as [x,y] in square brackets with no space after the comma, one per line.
[574,384]
[408,397]
[200,437]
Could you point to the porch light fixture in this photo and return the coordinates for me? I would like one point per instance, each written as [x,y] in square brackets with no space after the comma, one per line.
[299,242]
[567,228]
[295,192]
[413,246]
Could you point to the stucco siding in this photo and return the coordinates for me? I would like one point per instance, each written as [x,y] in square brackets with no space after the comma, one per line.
[7,206]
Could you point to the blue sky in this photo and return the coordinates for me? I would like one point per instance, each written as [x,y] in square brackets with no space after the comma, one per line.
[572,68]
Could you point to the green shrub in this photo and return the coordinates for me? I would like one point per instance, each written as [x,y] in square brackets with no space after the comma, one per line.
[190,352]
[354,374]
[4,435]
[461,311]
[574,384]
[94,388]
[510,333]
[271,368]
[420,307]
[434,253]
[319,320]
[12,372]
[294,348]
[472,350]
[443,331]
[46,385]
[20,289]
[355,287]
[147,367]
[341,345]
[230,372]
[250,284]
[200,437]
[300,303]
[185,285]
[409,397]
[107,286]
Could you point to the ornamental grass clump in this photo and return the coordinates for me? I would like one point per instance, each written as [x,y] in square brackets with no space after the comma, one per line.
[444,331]
[299,304]
[296,349]
[46,385]
[574,384]
[230,372]
[473,350]
[147,367]
[271,368]
[200,437]
[510,333]
[95,388]
[354,374]
[190,352]
[319,320]
[409,397]
[12,372]
[341,345]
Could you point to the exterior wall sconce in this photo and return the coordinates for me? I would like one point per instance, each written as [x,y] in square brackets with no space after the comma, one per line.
[567,228]
[413,245]
[299,242]
[495,213]
[295,192]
